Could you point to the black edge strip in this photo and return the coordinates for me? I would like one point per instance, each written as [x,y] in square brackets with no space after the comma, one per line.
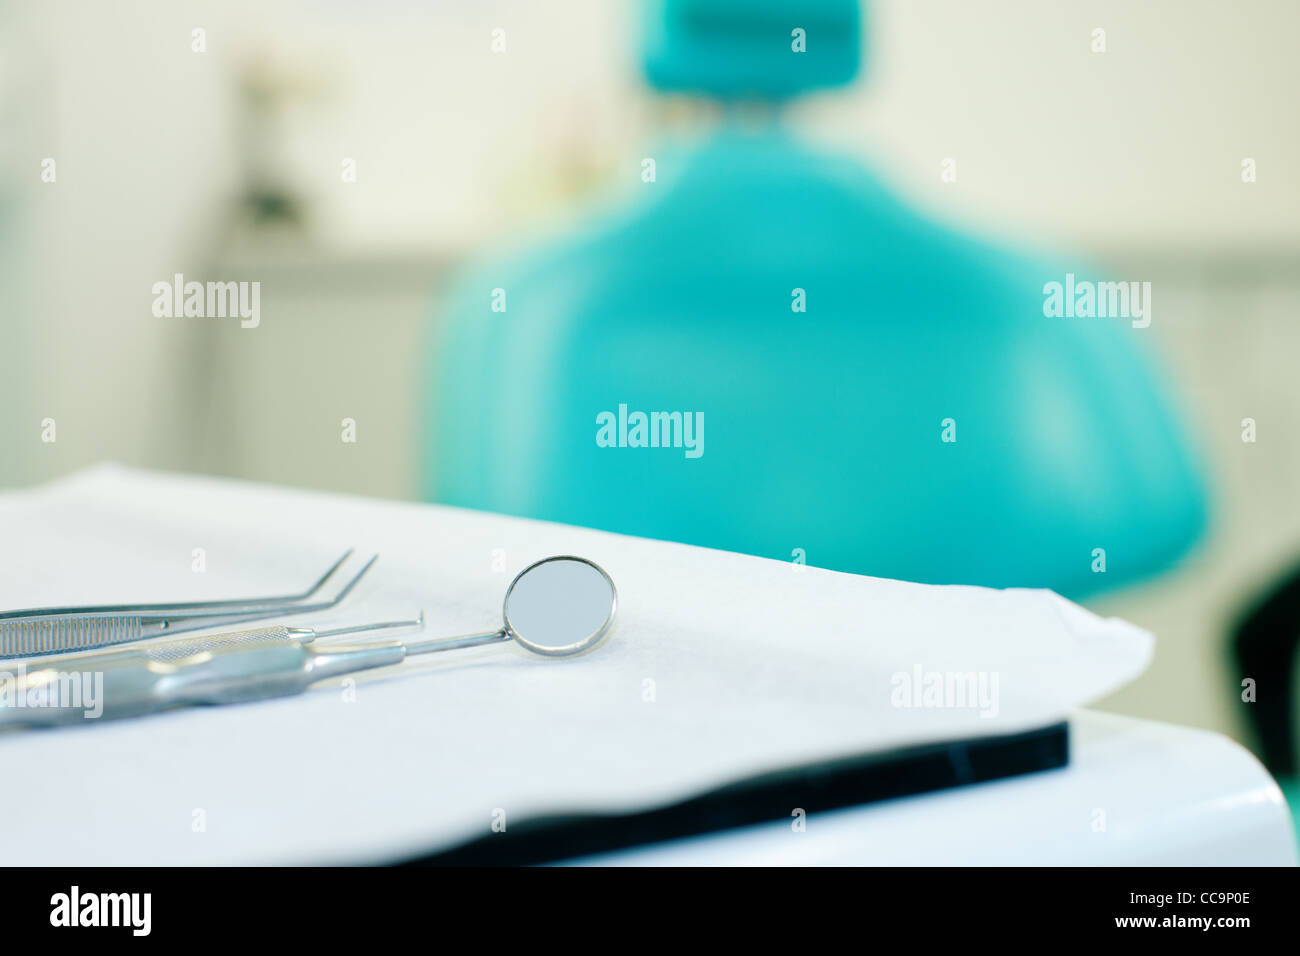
[815,788]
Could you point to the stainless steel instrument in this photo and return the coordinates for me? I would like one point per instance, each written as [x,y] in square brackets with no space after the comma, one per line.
[557,607]
[61,630]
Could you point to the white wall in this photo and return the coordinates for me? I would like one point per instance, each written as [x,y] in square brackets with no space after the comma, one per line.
[137,127]
[1140,145]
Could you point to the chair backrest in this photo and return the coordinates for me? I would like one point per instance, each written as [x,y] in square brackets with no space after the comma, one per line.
[864,390]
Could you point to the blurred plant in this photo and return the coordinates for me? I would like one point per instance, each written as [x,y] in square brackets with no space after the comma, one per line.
[269,85]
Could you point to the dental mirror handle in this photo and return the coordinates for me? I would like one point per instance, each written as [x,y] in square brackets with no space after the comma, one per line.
[434,645]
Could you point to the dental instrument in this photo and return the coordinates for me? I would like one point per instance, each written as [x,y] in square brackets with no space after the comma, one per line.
[232,603]
[62,630]
[189,646]
[129,682]
[556,607]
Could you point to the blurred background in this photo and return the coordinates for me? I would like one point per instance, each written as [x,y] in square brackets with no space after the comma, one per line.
[214,140]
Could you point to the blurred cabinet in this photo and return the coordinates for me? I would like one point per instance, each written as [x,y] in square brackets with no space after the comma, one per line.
[339,339]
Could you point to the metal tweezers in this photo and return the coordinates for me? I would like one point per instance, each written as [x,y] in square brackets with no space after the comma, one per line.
[54,630]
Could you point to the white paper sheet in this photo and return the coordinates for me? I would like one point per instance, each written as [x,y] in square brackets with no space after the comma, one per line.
[719,666]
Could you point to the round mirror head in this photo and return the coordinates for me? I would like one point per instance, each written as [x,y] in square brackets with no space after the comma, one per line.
[560,606]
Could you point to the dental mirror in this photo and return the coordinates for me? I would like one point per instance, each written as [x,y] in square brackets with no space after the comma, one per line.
[556,607]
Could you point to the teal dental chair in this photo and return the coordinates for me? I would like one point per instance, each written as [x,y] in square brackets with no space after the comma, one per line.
[919,418]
